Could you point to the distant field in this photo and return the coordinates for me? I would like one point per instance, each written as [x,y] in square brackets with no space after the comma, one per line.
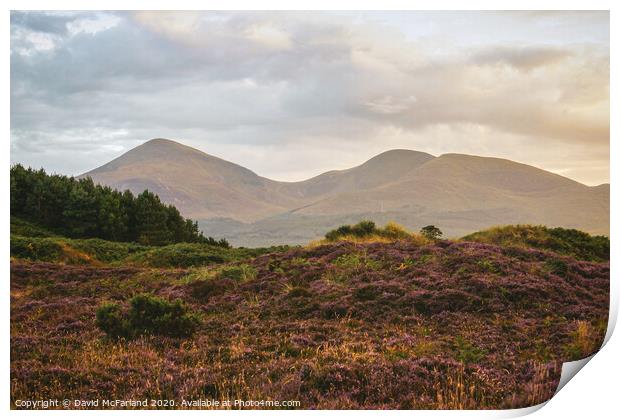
[396,324]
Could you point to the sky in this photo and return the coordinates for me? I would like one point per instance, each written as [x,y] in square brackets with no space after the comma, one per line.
[290,95]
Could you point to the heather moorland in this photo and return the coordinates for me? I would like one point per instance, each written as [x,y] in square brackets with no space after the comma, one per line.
[372,320]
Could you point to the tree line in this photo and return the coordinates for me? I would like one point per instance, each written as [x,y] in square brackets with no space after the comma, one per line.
[79,208]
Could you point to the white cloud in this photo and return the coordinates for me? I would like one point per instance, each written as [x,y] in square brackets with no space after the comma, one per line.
[391,105]
[316,90]
[270,36]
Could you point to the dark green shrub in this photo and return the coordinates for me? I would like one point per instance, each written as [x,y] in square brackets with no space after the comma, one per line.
[367,231]
[299,291]
[36,249]
[421,306]
[111,320]
[204,289]
[580,244]
[360,230]
[467,352]
[181,255]
[106,251]
[242,272]
[152,315]
[147,315]
[431,232]
[489,266]
[557,267]
[333,311]
[74,251]
[369,292]
[562,241]
[364,228]
[21,227]
[195,255]
[334,235]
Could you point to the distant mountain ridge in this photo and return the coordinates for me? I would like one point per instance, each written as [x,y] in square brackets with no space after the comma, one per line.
[460,193]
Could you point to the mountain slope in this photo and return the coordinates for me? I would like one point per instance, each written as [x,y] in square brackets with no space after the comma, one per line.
[460,193]
[200,185]
[380,170]
[462,182]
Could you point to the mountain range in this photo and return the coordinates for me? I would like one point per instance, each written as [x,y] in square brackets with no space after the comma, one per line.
[458,193]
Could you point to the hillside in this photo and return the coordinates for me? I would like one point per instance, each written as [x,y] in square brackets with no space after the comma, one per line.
[455,186]
[460,193]
[342,325]
[562,241]
[200,185]
[380,170]
[31,243]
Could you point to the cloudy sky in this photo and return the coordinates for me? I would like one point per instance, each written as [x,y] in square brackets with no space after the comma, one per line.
[291,95]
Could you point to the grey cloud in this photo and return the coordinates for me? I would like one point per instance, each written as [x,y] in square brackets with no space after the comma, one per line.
[50,23]
[252,80]
[523,58]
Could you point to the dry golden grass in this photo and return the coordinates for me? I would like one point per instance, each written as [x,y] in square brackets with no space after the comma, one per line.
[391,232]
[539,391]
[456,393]
[73,256]
[586,337]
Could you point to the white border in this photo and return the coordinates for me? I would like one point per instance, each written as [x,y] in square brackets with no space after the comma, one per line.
[592,394]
